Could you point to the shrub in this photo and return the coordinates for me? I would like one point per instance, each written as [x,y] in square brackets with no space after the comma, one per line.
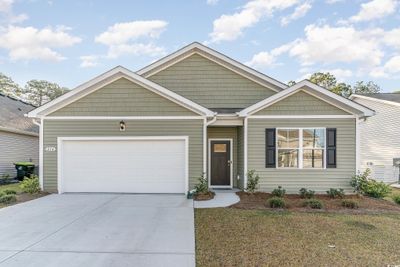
[396,198]
[10,192]
[278,192]
[202,186]
[276,202]
[335,193]
[313,203]
[364,185]
[350,204]
[304,193]
[252,181]
[30,185]
[7,199]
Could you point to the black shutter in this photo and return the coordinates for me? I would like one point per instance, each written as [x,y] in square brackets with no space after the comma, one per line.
[331,147]
[270,149]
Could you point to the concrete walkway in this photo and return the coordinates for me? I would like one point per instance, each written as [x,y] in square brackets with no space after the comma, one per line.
[98,230]
[222,198]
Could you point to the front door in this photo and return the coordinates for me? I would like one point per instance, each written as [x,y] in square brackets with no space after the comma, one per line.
[220,161]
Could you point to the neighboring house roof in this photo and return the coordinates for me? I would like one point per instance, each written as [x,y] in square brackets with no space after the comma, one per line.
[108,77]
[319,91]
[388,98]
[227,62]
[12,117]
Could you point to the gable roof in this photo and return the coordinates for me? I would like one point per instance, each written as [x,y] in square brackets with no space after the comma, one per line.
[12,116]
[108,77]
[387,98]
[326,94]
[215,56]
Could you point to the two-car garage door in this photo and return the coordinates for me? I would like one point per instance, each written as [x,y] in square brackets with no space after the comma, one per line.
[130,165]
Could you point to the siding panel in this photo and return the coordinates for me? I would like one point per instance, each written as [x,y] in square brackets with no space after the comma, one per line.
[66,128]
[209,84]
[294,179]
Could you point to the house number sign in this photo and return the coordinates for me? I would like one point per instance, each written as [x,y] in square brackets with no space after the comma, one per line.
[50,148]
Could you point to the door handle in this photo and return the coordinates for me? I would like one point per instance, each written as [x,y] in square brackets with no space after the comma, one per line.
[230,162]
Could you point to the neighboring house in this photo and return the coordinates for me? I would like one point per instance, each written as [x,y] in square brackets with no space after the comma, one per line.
[379,135]
[19,136]
[192,112]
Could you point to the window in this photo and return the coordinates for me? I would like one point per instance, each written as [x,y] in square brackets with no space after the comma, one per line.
[302,148]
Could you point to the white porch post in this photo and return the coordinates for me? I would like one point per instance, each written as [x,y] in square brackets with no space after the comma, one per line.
[245,153]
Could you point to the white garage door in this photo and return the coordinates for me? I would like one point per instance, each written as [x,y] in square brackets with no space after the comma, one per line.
[124,166]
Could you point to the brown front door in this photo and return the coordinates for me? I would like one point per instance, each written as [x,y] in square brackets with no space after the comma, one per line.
[220,153]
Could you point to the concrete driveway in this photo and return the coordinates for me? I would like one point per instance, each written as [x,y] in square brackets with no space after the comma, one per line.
[98,230]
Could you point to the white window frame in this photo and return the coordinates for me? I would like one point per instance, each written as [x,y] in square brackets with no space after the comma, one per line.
[300,149]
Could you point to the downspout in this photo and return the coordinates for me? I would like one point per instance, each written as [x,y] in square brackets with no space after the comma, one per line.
[40,151]
[205,125]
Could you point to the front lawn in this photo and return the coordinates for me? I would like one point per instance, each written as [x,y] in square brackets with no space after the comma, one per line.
[20,196]
[242,237]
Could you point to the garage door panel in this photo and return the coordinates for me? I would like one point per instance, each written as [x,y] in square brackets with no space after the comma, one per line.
[131,166]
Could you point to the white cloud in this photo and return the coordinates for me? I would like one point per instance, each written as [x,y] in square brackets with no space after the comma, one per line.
[325,44]
[340,74]
[133,38]
[212,2]
[262,59]
[330,2]
[89,61]
[230,27]
[27,43]
[299,12]
[375,9]
[392,38]
[393,65]
[6,11]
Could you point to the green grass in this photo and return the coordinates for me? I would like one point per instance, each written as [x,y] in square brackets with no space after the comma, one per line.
[12,187]
[235,237]
[395,191]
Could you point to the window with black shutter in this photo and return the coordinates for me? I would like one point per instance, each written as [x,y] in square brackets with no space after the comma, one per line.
[270,148]
[331,148]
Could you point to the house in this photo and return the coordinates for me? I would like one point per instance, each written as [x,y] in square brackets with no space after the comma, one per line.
[379,135]
[196,111]
[19,136]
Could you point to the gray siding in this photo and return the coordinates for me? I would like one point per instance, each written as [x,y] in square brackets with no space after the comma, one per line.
[301,103]
[226,132]
[210,84]
[65,128]
[16,147]
[379,140]
[294,179]
[123,98]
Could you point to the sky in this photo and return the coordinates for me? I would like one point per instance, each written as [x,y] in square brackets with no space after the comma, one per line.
[70,42]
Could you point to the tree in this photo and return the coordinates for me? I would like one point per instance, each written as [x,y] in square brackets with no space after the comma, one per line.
[38,92]
[366,88]
[9,87]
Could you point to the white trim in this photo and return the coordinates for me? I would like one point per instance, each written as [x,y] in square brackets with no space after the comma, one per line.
[204,51]
[123,118]
[60,141]
[298,86]
[112,75]
[300,148]
[205,147]
[230,166]
[375,99]
[40,152]
[302,117]
[358,121]
[16,131]
[245,151]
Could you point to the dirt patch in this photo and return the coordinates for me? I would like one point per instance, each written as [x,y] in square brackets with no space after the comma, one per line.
[204,196]
[24,197]
[366,205]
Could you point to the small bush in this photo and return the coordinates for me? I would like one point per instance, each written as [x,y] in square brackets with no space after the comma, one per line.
[313,203]
[276,202]
[202,186]
[2,193]
[350,204]
[278,192]
[252,181]
[396,198]
[364,185]
[335,193]
[30,185]
[304,193]
[7,199]
[10,192]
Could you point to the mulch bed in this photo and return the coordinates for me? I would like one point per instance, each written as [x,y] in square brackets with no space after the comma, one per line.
[204,196]
[24,197]
[366,205]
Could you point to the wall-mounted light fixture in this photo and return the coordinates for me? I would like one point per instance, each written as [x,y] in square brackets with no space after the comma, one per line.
[122,126]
